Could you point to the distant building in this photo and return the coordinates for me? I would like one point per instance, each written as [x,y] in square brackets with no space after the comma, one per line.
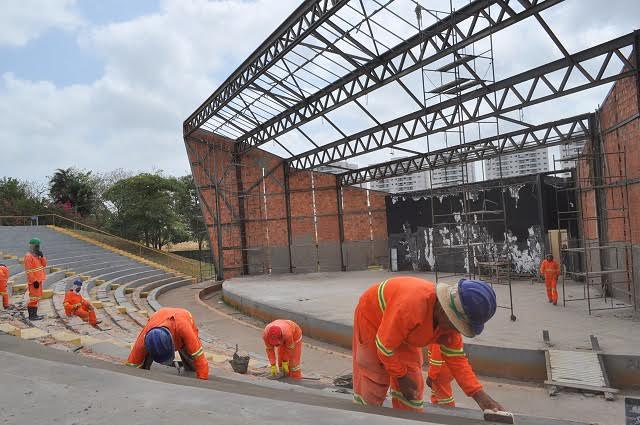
[453,175]
[337,167]
[401,184]
[518,164]
[570,151]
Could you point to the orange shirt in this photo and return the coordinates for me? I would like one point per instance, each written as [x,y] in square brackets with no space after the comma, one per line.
[34,268]
[184,333]
[73,300]
[550,269]
[291,335]
[4,278]
[401,309]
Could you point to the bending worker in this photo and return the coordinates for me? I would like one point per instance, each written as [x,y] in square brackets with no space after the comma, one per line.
[439,378]
[397,317]
[34,264]
[4,279]
[550,269]
[167,331]
[75,305]
[287,336]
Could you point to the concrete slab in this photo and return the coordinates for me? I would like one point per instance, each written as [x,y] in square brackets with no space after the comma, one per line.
[67,337]
[9,329]
[32,333]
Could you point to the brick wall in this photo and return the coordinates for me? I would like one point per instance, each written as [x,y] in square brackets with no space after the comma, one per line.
[256,206]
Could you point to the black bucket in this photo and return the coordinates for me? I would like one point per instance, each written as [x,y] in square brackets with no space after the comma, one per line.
[239,364]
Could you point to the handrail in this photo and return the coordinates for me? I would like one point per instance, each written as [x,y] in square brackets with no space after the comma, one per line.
[188,266]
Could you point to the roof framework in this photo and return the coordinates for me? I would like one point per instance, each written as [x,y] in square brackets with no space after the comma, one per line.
[341,79]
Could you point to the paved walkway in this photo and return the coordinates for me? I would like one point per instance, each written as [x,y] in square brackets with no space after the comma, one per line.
[333,296]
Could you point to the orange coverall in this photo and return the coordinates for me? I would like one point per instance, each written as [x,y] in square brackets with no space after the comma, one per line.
[392,321]
[4,278]
[441,377]
[291,348]
[551,270]
[184,333]
[75,304]
[34,267]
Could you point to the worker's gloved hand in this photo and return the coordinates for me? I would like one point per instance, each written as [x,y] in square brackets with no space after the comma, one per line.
[429,382]
[407,387]
[285,368]
[486,402]
[39,253]
[36,285]
[274,370]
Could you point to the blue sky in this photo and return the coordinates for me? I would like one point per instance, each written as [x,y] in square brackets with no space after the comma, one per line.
[104,85]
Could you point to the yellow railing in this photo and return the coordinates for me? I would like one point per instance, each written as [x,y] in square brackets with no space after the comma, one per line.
[199,270]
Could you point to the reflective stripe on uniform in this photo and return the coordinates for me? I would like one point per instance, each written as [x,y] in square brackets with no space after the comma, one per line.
[133,364]
[382,348]
[34,298]
[381,302]
[445,400]
[358,399]
[415,404]
[37,269]
[451,352]
[198,353]
[295,368]
[436,362]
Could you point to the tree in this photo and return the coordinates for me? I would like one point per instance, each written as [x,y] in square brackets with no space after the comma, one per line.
[188,206]
[73,189]
[144,209]
[18,198]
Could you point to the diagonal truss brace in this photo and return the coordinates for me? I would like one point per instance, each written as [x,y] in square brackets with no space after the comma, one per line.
[532,138]
[464,27]
[304,20]
[528,88]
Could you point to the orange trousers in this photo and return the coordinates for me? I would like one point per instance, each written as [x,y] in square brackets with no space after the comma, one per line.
[552,290]
[86,315]
[34,294]
[441,392]
[371,381]
[5,294]
[293,356]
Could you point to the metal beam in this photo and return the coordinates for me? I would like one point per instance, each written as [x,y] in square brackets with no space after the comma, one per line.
[531,138]
[469,24]
[511,94]
[302,22]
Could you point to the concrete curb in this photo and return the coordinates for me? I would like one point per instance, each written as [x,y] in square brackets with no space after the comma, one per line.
[500,362]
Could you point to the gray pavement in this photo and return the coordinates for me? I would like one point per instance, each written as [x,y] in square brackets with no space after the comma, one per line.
[333,296]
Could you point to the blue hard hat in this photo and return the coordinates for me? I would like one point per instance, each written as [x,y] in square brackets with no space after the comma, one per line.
[159,345]
[478,301]
[77,282]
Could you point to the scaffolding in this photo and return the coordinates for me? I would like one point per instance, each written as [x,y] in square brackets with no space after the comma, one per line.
[600,254]
[471,66]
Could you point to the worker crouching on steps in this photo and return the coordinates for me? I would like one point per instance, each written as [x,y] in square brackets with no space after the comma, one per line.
[167,331]
[396,318]
[439,378]
[286,335]
[34,265]
[550,269]
[4,279]
[75,305]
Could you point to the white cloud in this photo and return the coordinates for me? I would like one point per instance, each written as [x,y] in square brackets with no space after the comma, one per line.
[23,21]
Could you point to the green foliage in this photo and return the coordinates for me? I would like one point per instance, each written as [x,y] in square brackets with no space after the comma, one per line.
[73,190]
[144,208]
[188,207]
[18,198]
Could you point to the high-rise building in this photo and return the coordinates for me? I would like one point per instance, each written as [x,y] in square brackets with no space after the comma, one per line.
[518,164]
[453,175]
[401,184]
[570,151]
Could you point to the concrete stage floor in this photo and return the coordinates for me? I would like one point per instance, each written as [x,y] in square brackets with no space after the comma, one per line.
[333,296]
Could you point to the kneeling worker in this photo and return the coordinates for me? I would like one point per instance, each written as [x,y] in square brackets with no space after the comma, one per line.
[287,336]
[167,331]
[75,305]
[397,317]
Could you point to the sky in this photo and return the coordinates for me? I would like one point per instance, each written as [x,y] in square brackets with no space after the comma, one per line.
[104,85]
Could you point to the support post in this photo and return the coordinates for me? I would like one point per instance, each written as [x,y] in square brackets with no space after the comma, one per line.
[539,181]
[340,223]
[220,273]
[241,197]
[287,204]
[597,167]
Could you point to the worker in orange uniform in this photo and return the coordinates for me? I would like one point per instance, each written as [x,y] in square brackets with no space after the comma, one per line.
[75,305]
[4,278]
[396,318]
[550,269]
[439,378]
[167,331]
[34,265]
[287,336]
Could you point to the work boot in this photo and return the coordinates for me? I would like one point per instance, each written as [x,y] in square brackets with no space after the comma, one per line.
[95,325]
[33,313]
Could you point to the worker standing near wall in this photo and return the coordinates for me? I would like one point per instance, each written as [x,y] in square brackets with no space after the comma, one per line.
[397,317]
[4,279]
[286,335]
[34,266]
[550,269]
[167,331]
[75,305]
[439,378]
